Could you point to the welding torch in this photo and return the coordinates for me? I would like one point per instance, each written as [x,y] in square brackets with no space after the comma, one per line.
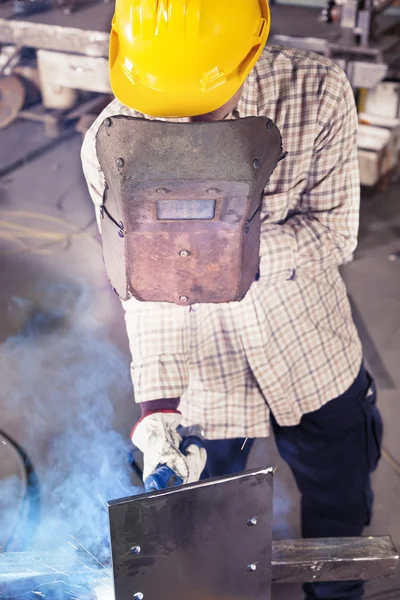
[164,477]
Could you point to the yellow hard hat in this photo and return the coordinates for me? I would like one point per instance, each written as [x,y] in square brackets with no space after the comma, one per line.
[180,58]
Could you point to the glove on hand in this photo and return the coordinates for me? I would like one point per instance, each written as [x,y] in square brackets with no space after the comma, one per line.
[157,437]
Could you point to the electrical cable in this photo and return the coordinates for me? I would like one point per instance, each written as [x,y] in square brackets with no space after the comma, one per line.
[40,240]
[391,460]
[31,500]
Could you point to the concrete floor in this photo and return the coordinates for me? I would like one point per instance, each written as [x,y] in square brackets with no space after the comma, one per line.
[65,391]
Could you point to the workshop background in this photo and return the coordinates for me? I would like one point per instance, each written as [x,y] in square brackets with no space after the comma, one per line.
[65,391]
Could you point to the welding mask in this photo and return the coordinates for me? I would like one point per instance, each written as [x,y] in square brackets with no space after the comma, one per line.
[181,206]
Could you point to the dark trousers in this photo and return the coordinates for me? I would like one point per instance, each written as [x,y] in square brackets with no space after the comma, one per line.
[331,454]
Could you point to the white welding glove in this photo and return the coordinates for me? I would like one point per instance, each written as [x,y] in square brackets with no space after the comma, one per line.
[157,437]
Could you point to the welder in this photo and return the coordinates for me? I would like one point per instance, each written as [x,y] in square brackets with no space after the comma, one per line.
[287,356]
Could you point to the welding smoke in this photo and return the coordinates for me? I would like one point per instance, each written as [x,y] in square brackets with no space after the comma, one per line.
[63,382]
[60,379]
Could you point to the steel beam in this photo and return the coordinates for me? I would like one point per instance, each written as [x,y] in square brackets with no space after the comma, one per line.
[293,561]
[84,31]
[335,559]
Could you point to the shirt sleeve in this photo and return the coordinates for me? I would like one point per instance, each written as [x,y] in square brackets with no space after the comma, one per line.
[159,339]
[323,231]
[158,332]
[90,163]
[92,170]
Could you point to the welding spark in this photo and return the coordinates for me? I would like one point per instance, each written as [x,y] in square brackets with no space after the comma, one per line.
[40,594]
[52,568]
[13,597]
[71,544]
[90,554]
[5,443]
[101,500]
[73,585]
[107,577]
[78,595]
[75,558]
[34,572]
[244,443]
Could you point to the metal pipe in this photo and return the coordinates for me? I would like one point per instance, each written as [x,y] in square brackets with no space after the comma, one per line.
[293,561]
[336,559]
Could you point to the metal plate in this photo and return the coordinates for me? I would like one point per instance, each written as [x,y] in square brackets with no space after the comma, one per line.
[195,541]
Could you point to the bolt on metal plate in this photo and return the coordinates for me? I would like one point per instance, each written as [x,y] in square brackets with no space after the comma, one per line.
[178,559]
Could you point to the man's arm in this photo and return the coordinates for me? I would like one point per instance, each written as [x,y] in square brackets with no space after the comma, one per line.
[92,171]
[157,332]
[323,233]
[159,341]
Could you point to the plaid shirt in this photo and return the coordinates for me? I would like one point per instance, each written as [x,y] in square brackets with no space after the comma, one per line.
[291,345]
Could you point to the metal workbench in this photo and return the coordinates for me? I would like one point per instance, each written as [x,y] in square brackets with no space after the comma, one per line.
[84,30]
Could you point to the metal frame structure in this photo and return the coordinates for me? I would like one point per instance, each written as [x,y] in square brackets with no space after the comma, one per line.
[212,540]
[356,33]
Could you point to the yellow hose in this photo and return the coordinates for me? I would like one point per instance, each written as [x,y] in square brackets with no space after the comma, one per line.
[39,240]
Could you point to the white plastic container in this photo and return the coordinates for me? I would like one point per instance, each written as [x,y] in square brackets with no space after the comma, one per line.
[374,153]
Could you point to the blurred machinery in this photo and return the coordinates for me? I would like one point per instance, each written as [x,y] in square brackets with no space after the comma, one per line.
[363,38]
[69,43]
[64,46]
[357,34]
